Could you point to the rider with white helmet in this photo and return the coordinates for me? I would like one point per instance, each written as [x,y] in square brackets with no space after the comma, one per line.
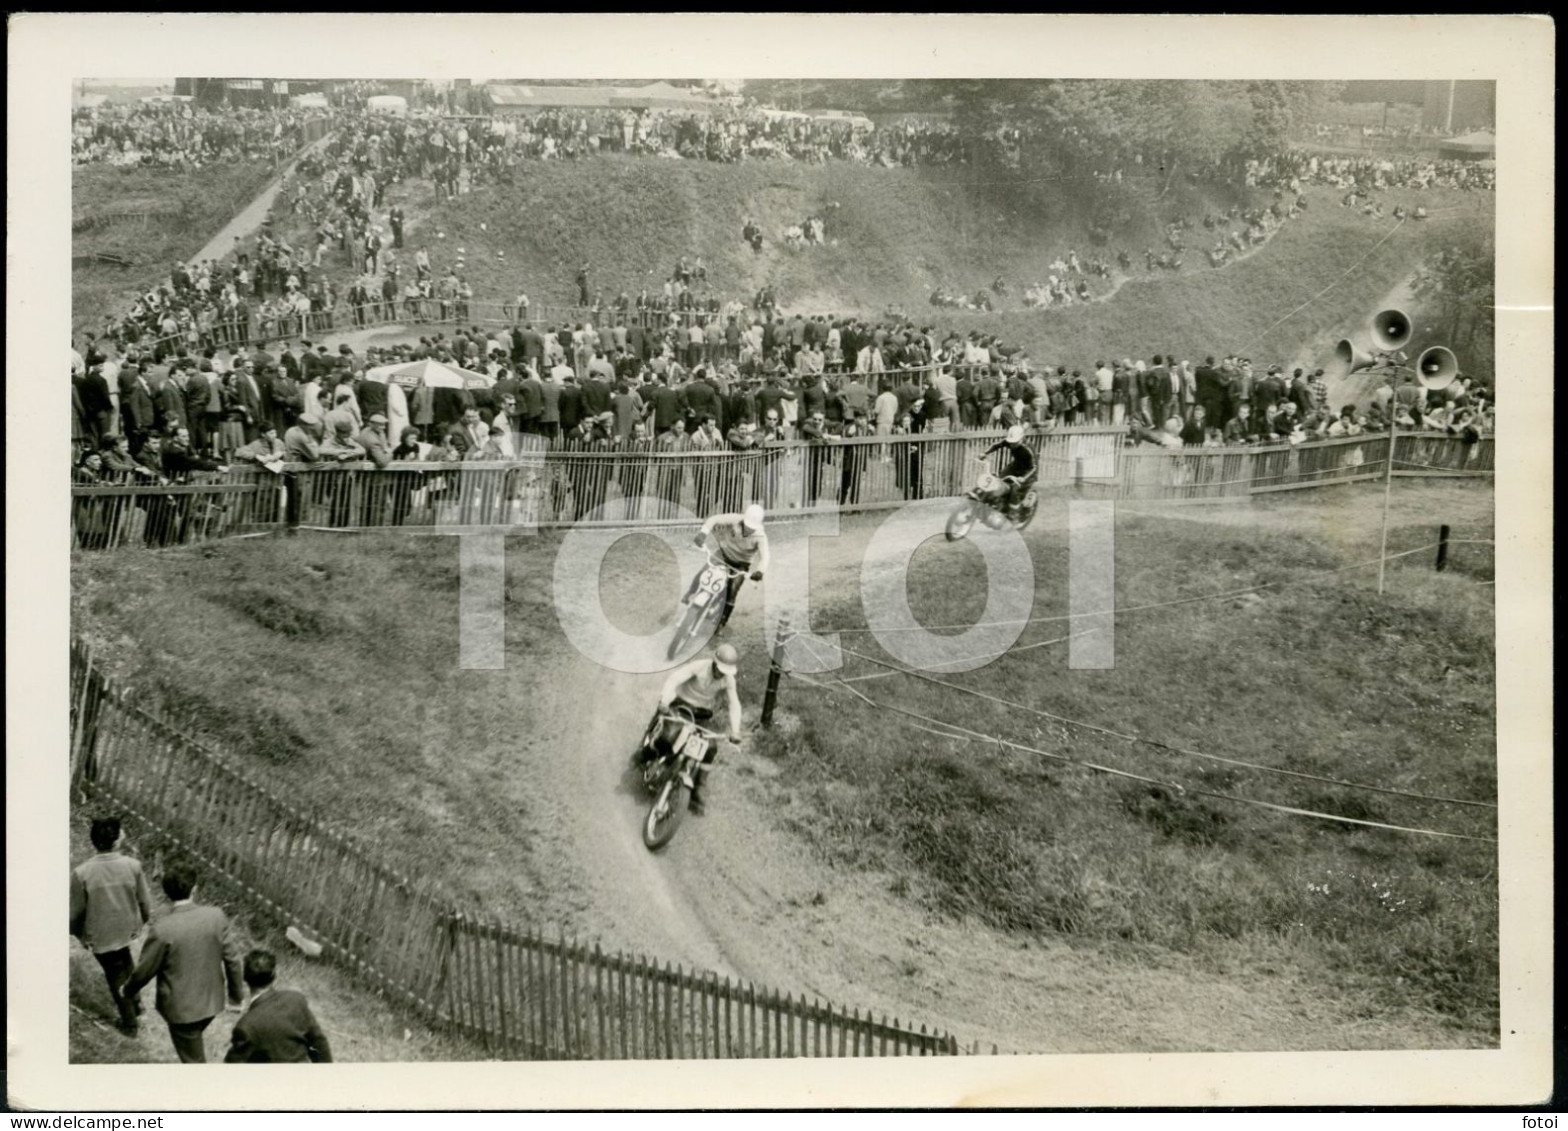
[1020,468]
[742,544]
[695,688]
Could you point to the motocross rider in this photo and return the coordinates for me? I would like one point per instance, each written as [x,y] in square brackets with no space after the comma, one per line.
[742,545]
[696,686]
[1020,465]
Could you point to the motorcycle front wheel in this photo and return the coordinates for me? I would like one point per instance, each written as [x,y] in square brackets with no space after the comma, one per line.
[959,522]
[664,815]
[684,629]
[1026,511]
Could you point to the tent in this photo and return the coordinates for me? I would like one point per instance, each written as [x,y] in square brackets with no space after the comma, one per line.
[859,121]
[511,97]
[394,104]
[773,115]
[661,95]
[429,373]
[1477,144]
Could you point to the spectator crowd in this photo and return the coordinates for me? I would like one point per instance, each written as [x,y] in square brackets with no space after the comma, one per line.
[222,363]
[179,135]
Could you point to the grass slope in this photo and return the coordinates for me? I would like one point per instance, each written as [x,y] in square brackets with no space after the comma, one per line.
[1318,675]
[205,201]
[902,231]
[1318,280]
[330,667]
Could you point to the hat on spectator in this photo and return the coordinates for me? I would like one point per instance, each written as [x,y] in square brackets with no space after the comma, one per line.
[309,418]
[377,418]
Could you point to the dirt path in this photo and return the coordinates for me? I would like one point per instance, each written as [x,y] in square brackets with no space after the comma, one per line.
[738,893]
[251,216]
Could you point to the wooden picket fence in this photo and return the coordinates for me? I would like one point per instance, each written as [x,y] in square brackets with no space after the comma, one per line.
[515,991]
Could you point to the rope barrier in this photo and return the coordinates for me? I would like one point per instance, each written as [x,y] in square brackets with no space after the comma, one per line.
[1157,744]
[1134,608]
[1348,272]
[1182,790]
[985,655]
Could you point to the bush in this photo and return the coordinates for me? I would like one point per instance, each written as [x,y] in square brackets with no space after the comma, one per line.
[1180,818]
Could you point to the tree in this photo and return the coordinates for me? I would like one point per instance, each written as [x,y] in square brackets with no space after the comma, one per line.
[1458,286]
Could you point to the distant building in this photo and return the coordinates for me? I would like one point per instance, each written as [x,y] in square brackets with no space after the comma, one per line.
[1455,107]
[256,94]
[512,98]
[519,98]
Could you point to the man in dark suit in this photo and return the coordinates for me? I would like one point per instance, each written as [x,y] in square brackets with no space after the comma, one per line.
[571,407]
[137,410]
[596,396]
[96,404]
[249,398]
[278,1027]
[193,954]
[1211,391]
[530,405]
[533,348]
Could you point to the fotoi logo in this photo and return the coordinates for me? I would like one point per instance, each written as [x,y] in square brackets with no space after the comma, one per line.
[708,576]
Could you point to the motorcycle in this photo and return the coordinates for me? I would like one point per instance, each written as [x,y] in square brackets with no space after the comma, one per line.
[703,604]
[670,777]
[985,503]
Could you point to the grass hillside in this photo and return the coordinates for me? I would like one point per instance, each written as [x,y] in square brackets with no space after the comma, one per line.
[330,667]
[1318,675]
[191,206]
[901,232]
[1249,307]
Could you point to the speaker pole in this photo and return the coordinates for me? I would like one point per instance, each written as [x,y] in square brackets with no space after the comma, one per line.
[1388,492]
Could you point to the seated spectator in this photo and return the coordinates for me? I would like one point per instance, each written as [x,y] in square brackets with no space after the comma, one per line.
[1240,429]
[266,449]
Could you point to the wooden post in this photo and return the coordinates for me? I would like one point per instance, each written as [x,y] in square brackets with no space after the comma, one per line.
[776,668]
[1388,491]
[1442,548]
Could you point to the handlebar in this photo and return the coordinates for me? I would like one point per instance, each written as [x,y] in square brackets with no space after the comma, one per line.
[684,717]
[718,560]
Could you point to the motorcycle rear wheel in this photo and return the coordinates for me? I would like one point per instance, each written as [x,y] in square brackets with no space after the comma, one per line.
[960,521]
[664,815]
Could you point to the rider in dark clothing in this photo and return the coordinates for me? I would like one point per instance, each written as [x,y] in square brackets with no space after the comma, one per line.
[1020,466]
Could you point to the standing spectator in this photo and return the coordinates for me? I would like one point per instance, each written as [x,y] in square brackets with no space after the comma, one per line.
[1319,388]
[193,954]
[582,285]
[110,902]
[852,461]
[278,1026]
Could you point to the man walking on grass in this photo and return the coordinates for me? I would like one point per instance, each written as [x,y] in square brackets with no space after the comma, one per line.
[193,954]
[110,902]
[278,1026]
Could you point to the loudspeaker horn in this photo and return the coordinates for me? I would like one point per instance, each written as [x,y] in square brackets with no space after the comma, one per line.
[1354,359]
[1437,367]
[1390,329]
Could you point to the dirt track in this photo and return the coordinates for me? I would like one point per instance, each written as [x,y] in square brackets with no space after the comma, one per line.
[737,893]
